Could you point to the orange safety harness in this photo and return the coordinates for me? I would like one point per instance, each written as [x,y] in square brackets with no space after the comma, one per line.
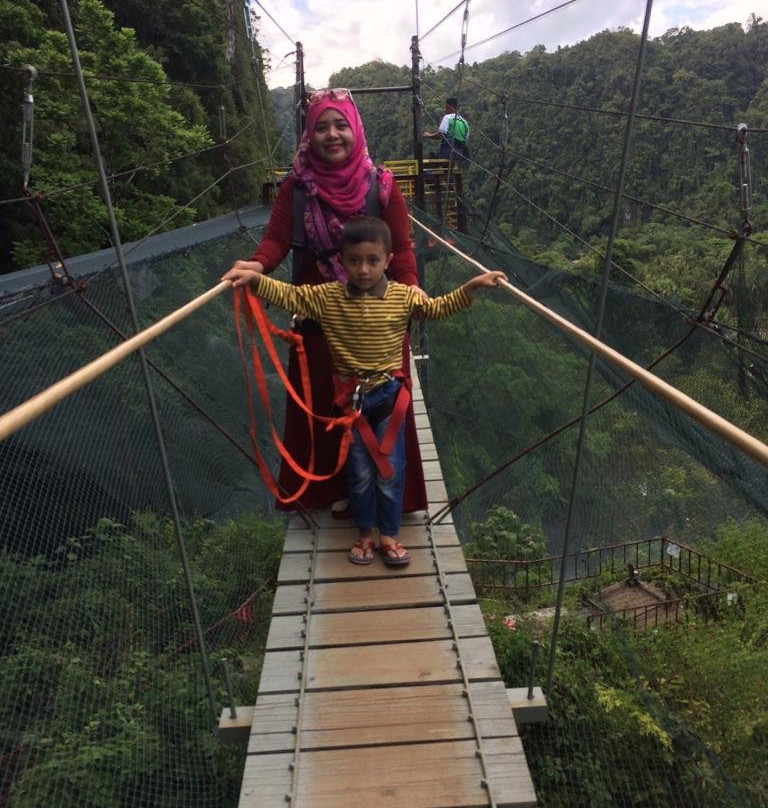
[254,313]
[347,398]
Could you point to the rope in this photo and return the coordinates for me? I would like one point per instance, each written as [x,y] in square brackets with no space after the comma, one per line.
[440,22]
[309,600]
[615,112]
[151,401]
[514,27]
[130,79]
[280,28]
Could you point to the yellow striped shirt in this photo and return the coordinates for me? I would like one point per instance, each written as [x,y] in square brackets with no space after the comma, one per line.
[364,331]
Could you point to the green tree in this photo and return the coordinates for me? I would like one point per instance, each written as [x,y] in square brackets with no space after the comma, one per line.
[137,126]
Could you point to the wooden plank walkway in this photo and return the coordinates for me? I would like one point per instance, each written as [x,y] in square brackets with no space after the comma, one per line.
[380,688]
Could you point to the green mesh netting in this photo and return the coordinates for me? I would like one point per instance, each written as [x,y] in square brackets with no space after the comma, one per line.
[101,680]
[633,719]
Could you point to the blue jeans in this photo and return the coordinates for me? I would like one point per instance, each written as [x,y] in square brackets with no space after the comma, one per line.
[376,501]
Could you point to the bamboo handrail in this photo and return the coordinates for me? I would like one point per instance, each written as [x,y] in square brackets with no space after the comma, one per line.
[721,426]
[15,419]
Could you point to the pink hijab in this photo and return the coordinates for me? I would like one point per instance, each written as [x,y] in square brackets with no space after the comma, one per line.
[335,193]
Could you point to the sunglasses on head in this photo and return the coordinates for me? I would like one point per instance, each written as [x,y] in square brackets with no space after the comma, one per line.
[336,94]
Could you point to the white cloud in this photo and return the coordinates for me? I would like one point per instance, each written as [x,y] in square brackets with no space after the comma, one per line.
[348,34]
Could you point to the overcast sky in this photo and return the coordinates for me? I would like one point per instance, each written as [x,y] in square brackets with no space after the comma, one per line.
[348,33]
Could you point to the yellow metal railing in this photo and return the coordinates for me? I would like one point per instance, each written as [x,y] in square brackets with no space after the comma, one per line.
[442,188]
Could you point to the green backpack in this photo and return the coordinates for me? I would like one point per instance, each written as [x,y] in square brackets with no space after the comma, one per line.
[458,129]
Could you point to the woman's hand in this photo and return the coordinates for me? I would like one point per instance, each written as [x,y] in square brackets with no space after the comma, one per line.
[424,296]
[419,314]
[242,272]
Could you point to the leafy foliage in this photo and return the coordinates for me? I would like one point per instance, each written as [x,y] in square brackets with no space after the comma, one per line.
[145,124]
[671,716]
[503,535]
[100,636]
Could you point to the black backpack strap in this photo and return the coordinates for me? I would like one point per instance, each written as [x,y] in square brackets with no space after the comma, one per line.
[372,201]
[299,236]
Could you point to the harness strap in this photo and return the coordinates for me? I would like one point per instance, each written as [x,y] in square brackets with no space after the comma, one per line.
[379,452]
[254,313]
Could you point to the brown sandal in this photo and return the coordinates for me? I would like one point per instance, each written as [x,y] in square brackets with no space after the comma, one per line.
[389,554]
[366,546]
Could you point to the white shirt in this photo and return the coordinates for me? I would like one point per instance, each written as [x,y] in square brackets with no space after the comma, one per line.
[443,128]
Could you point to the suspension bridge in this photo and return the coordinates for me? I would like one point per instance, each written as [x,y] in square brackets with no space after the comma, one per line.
[377,688]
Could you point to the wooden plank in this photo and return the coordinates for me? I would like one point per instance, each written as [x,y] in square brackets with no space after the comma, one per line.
[324,519]
[380,715]
[436,493]
[422,423]
[387,593]
[296,567]
[427,448]
[429,775]
[363,628]
[445,532]
[343,536]
[432,470]
[379,665]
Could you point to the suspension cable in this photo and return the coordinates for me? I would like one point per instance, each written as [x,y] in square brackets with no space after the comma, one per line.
[452,154]
[28,125]
[258,77]
[440,22]
[279,27]
[702,321]
[512,28]
[449,507]
[603,295]
[129,79]
[568,175]
[142,358]
[614,112]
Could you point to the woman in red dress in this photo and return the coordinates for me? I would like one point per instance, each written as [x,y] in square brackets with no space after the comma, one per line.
[334,172]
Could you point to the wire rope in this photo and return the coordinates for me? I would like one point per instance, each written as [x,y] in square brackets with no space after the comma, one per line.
[88,75]
[512,28]
[279,27]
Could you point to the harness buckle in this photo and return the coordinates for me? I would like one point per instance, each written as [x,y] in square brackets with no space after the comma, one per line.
[357,398]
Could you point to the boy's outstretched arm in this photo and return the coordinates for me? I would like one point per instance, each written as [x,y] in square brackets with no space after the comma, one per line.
[489,279]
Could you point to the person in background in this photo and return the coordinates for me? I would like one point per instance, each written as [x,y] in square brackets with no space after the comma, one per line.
[365,317]
[332,180]
[453,132]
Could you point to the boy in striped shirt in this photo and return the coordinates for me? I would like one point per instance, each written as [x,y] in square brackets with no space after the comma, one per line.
[365,321]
